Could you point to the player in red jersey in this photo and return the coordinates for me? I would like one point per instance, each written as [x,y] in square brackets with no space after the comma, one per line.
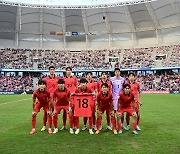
[104,79]
[71,84]
[83,89]
[51,85]
[126,103]
[41,99]
[104,102]
[135,87]
[51,80]
[93,86]
[62,101]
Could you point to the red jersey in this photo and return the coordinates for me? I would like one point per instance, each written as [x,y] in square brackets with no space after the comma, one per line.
[51,83]
[104,101]
[71,83]
[43,97]
[126,100]
[92,85]
[135,88]
[101,82]
[87,90]
[62,97]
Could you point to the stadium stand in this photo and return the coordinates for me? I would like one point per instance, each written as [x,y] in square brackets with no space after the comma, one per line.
[147,82]
[165,56]
[159,82]
[16,83]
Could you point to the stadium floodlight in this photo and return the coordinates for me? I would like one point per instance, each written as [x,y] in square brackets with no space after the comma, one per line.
[69,4]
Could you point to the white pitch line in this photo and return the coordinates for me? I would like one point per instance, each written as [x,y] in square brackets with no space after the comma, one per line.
[15,101]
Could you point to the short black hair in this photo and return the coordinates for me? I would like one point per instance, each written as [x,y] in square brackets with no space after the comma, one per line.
[131,73]
[61,81]
[89,73]
[117,69]
[83,80]
[41,82]
[126,85]
[104,84]
[51,67]
[67,68]
[104,73]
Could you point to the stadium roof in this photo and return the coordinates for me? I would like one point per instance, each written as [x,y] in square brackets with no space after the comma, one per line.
[69,4]
[144,20]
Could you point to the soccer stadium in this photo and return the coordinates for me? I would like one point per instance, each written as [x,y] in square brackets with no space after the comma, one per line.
[90,76]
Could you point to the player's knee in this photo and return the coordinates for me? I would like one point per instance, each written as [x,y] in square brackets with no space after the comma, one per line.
[99,115]
[34,114]
[49,116]
[119,115]
[134,115]
[112,115]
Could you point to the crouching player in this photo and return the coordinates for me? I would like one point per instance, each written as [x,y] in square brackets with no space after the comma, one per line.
[83,89]
[104,103]
[62,102]
[104,79]
[41,99]
[126,103]
[135,88]
[93,86]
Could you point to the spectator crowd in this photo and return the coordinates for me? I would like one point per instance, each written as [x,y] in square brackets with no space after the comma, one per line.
[16,83]
[90,59]
[147,82]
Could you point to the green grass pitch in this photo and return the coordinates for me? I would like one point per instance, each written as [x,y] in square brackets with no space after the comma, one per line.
[160,124]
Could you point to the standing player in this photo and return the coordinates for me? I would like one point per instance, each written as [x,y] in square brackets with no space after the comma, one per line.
[126,103]
[104,79]
[117,85]
[93,86]
[41,99]
[135,88]
[104,102]
[83,89]
[62,101]
[51,85]
[71,84]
